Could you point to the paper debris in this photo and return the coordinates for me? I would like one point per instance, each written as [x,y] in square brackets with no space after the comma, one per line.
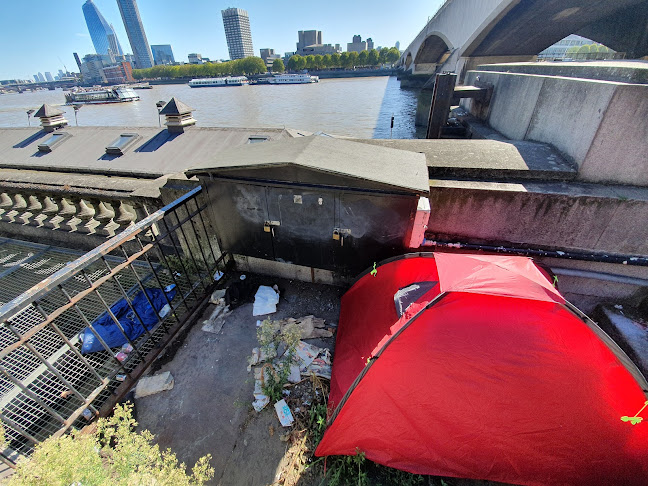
[306,353]
[283,413]
[265,301]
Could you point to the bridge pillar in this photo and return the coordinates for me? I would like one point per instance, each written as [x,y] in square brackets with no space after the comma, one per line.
[465,64]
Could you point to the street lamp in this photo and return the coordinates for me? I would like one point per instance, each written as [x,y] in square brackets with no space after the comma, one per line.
[159,105]
[29,114]
[76,110]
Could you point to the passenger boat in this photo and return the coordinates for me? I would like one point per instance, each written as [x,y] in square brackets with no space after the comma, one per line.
[213,82]
[98,95]
[293,79]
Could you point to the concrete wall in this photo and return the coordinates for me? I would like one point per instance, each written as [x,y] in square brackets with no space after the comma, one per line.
[600,125]
[550,215]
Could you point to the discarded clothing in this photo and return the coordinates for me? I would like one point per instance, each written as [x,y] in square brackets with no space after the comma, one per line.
[106,327]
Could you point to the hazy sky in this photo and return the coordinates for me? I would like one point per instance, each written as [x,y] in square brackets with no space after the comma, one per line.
[41,35]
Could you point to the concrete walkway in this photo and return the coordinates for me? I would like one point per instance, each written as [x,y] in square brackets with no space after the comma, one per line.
[209,409]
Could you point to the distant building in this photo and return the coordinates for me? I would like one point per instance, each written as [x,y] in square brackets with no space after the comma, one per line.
[195,58]
[237,32]
[136,35]
[92,68]
[36,78]
[321,49]
[119,73]
[102,34]
[358,45]
[559,49]
[78,61]
[269,57]
[370,44]
[308,38]
[162,54]
[61,74]
[41,78]
[397,45]
[48,76]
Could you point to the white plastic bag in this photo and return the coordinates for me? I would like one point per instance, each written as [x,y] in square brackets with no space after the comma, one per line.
[265,301]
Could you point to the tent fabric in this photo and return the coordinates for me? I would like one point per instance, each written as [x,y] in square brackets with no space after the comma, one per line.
[487,385]
[106,327]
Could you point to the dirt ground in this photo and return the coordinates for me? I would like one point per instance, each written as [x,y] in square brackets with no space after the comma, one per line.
[209,409]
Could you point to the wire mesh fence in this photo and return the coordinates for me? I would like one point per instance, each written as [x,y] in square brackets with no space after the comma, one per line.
[77,338]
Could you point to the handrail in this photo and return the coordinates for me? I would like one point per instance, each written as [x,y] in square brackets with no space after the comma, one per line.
[39,290]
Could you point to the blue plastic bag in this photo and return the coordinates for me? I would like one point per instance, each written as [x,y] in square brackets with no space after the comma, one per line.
[106,327]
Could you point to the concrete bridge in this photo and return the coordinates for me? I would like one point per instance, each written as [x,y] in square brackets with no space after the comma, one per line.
[465,33]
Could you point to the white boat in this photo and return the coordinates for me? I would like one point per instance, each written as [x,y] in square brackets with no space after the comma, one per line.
[212,82]
[98,95]
[293,79]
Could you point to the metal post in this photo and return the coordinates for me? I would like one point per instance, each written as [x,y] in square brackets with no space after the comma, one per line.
[440,106]
[189,250]
[175,249]
[193,227]
[211,249]
[18,429]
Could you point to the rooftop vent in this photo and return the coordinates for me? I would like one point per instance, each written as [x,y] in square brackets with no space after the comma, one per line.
[121,144]
[178,116]
[51,118]
[257,139]
[52,141]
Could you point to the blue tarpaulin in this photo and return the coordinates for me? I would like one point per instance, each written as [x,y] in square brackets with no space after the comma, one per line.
[106,327]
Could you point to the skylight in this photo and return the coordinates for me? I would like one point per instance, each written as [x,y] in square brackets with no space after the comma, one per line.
[50,143]
[257,139]
[119,146]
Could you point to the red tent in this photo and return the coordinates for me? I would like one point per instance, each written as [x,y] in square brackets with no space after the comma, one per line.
[474,366]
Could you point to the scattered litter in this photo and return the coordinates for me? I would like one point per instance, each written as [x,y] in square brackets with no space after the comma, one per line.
[258,323]
[242,277]
[218,275]
[285,437]
[271,430]
[120,377]
[151,385]
[87,414]
[618,306]
[121,356]
[214,323]
[295,374]
[265,301]
[260,403]
[306,354]
[284,413]
[127,348]
[260,355]
[217,297]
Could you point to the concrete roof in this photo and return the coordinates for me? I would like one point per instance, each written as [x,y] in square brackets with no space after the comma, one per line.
[155,153]
[395,168]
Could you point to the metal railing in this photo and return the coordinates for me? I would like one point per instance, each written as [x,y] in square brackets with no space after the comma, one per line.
[47,384]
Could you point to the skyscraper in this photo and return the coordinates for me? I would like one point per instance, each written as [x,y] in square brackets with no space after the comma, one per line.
[237,32]
[102,34]
[48,76]
[162,54]
[136,35]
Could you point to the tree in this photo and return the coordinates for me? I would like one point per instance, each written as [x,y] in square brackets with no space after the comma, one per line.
[353,59]
[310,62]
[373,57]
[382,57]
[335,60]
[327,61]
[344,60]
[114,454]
[318,62]
[393,55]
[362,58]
[278,66]
[293,62]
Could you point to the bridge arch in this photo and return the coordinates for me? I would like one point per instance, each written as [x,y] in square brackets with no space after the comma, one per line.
[434,49]
[408,60]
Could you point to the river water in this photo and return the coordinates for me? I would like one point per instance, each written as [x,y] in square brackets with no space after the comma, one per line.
[354,107]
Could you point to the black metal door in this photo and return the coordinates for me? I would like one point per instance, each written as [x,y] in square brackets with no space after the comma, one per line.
[302,222]
[240,212]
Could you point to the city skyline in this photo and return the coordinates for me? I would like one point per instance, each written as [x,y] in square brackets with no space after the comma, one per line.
[271,28]
[140,47]
[102,34]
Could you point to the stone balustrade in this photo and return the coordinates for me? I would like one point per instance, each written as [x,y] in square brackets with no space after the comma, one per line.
[72,213]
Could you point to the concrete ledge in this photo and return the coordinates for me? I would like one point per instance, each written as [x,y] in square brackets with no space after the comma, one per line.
[487,159]
[288,270]
[584,217]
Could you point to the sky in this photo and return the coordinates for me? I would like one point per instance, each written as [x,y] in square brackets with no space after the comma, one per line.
[41,35]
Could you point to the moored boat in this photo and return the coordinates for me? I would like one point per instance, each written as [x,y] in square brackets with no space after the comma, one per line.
[214,82]
[99,95]
[303,78]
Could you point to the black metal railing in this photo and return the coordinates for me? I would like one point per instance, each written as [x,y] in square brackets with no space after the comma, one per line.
[156,273]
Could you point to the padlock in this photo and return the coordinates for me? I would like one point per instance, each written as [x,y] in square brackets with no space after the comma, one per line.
[336,234]
[266,227]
